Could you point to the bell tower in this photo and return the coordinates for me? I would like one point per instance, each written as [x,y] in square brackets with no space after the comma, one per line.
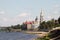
[41,17]
[36,19]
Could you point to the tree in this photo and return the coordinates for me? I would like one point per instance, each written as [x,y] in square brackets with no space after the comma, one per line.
[50,24]
[40,26]
[24,26]
[59,20]
[43,26]
[47,25]
[8,29]
[18,26]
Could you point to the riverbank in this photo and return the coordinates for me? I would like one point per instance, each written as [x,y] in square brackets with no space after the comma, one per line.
[38,33]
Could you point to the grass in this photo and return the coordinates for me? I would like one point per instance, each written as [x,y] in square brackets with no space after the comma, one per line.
[44,38]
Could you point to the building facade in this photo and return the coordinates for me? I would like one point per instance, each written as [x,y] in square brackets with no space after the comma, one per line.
[34,24]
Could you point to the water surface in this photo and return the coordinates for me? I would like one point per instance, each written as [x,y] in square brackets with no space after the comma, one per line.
[16,36]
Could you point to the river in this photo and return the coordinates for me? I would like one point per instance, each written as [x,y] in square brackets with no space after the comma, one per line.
[16,36]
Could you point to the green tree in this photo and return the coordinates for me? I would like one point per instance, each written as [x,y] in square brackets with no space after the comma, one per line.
[59,20]
[18,26]
[24,26]
[8,29]
[43,26]
[47,25]
[50,24]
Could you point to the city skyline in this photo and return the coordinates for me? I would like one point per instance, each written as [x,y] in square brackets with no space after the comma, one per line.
[14,12]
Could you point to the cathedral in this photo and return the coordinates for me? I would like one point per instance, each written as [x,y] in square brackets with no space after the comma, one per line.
[34,24]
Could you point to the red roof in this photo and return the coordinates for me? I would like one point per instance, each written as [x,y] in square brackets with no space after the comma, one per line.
[28,22]
[33,22]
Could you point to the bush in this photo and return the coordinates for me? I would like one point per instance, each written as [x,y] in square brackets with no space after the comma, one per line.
[44,38]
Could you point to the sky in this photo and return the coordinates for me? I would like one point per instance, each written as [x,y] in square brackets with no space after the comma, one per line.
[14,12]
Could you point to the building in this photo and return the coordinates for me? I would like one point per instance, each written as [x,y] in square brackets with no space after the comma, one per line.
[29,24]
[34,24]
[41,17]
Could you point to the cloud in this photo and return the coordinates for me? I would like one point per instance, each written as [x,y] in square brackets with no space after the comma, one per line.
[18,19]
[56,6]
[23,15]
[5,19]
[46,18]
[55,11]
[2,12]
